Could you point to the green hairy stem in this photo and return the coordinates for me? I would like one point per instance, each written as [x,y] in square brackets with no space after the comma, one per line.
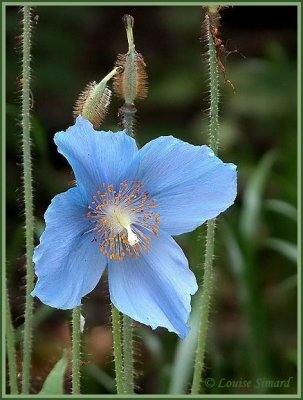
[127,322]
[28,196]
[117,342]
[128,111]
[207,285]
[76,350]
[11,351]
[128,355]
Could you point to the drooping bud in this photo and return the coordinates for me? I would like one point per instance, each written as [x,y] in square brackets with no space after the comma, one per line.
[94,100]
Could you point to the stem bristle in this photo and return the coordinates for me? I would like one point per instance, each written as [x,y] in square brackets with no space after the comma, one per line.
[28,193]
[11,350]
[213,133]
[128,355]
[117,347]
[76,351]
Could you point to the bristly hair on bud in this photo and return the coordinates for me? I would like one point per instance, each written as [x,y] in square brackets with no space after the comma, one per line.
[94,100]
[121,86]
[96,115]
[132,83]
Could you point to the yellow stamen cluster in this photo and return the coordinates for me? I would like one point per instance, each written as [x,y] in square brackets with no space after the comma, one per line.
[123,219]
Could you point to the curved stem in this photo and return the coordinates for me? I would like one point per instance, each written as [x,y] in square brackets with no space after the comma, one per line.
[128,355]
[207,285]
[117,342]
[11,351]
[76,350]
[28,198]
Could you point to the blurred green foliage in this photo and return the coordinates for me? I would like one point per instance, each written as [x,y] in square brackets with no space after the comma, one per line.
[54,383]
[254,312]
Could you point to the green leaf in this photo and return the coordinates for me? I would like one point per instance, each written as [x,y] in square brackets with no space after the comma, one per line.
[252,202]
[54,382]
[185,354]
[289,250]
[286,286]
[237,262]
[283,208]
[101,377]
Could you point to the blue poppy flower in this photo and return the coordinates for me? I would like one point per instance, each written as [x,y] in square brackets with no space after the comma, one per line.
[121,215]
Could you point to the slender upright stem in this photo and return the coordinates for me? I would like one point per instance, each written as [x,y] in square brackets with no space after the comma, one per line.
[76,350]
[129,111]
[117,342]
[207,288]
[11,351]
[213,129]
[128,355]
[28,198]
[207,285]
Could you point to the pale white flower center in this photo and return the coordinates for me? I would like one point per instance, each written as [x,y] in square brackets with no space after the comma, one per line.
[123,220]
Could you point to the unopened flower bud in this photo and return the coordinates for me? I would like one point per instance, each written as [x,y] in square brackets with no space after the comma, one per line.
[94,101]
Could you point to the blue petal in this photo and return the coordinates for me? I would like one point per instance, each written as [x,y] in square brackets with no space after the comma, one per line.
[155,288]
[68,264]
[190,184]
[95,156]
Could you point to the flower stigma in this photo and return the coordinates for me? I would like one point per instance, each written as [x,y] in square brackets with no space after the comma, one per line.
[123,220]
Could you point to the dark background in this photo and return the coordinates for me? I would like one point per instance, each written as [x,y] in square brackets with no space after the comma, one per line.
[253,320]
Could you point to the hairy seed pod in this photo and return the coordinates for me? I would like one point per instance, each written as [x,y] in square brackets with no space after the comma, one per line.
[132,83]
